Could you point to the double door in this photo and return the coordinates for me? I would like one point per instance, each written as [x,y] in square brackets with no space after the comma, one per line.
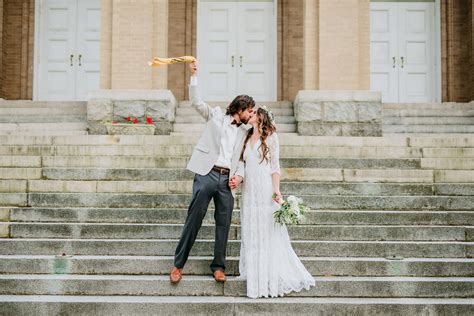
[236,49]
[402,51]
[69,49]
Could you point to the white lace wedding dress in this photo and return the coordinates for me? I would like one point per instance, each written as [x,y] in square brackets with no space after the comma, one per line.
[267,260]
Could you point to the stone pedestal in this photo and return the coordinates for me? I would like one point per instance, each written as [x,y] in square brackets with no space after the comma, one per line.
[105,106]
[338,113]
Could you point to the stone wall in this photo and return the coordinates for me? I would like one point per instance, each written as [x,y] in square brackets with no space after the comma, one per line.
[338,113]
[17,49]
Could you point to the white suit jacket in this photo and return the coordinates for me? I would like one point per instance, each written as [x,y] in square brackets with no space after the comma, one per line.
[206,152]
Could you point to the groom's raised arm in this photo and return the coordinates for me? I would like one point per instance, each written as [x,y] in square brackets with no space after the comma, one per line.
[194,96]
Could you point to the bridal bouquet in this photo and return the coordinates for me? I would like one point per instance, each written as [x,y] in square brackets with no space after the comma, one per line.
[291,211]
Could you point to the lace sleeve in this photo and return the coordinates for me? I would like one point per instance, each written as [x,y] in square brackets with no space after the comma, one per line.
[274,147]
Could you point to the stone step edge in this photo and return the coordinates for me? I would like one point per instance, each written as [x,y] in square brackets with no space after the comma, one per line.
[234,258]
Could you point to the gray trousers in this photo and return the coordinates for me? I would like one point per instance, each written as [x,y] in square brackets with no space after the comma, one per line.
[211,186]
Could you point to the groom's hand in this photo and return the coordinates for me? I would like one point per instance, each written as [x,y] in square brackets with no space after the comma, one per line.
[235,181]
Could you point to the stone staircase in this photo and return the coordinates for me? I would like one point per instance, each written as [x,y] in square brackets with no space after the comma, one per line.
[90,224]
[445,118]
[25,117]
[189,121]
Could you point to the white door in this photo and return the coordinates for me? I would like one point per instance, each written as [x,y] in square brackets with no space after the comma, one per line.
[87,47]
[68,54]
[236,49]
[402,51]
[217,50]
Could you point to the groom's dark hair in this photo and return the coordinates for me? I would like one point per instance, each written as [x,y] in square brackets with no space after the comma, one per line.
[241,102]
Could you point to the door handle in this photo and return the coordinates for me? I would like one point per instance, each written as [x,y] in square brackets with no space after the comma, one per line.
[233,57]
[394,61]
[403,61]
[70,59]
[80,56]
[241,58]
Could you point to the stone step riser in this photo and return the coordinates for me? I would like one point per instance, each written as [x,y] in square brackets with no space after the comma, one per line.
[51,133]
[302,232]
[428,121]
[200,266]
[430,106]
[6,127]
[144,162]
[166,306]
[439,129]
[285,151]
[316,202]
[178,216]
[174,186]
[427,113]
[206,286]
[223,105]
[199,119]
[199,128]
[392,141]
[158,247]
[73,118]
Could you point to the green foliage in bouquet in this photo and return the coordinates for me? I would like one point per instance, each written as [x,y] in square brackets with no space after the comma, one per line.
[291,212]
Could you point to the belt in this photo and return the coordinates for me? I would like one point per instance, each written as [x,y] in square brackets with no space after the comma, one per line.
[221,170]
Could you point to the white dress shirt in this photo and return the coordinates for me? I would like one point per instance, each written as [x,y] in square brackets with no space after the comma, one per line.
[228,138]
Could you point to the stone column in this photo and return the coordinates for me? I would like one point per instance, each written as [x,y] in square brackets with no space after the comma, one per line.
[133,32]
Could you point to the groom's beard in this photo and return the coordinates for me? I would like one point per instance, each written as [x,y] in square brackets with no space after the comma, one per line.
[244,121]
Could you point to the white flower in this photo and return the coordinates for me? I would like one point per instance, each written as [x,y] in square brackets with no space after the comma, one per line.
[293,200]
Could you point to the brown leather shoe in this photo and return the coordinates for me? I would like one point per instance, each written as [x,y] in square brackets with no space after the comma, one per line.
[175,275]
[219,276]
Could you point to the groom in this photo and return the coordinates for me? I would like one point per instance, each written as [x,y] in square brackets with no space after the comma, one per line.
[215,162]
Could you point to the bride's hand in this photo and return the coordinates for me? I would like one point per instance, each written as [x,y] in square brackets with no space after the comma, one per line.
[277,196]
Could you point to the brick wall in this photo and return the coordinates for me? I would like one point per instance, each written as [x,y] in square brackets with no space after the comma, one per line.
[17,49]
[457,50]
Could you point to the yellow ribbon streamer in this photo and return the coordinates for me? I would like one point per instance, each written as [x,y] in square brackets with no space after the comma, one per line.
[168,61]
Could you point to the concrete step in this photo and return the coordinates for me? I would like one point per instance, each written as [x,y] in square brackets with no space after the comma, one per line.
[43,111]
[41,104]
[317,202]
[9,127]
[187,110]
[426,120]
[185,187]
[199,119]
[199,128]
[161,265]
[427,113]
[176,216]
[439,129]
[43,119]
[120,164]
[293,151]
[225,104]
[41,284]
[300,232]
[429,106]
[430,140]
[215,305]
[167,247]
[45,133]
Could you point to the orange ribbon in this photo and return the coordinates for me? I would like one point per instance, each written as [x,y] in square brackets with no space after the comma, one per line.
[168,61]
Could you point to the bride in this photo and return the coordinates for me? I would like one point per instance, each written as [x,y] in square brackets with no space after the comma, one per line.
[267,260]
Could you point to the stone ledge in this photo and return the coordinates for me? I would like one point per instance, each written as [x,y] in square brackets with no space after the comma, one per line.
[338,113]
[107,105]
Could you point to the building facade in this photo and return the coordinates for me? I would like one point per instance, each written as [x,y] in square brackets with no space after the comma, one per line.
[412,51]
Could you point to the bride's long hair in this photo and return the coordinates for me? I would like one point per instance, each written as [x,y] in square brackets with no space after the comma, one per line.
[266,127]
